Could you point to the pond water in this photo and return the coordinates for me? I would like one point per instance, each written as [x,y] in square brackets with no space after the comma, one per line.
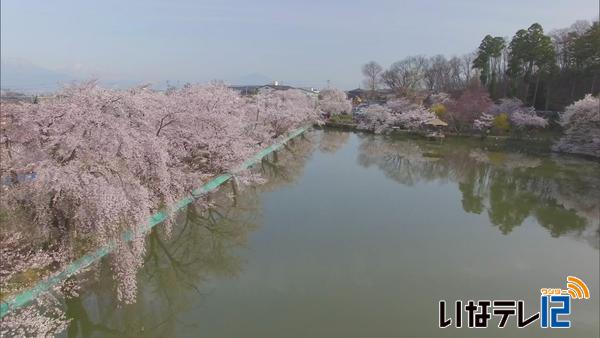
[360,236]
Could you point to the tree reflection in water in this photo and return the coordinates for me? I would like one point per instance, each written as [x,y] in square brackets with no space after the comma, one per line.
[561,193]
[333,140]
[202,246]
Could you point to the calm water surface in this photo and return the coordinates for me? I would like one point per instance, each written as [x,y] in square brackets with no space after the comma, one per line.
[361,236]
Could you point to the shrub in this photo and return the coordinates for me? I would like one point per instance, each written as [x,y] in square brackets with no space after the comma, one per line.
[502,123]
[440,110]
[519,116]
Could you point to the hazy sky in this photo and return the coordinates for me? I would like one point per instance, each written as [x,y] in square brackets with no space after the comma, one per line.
[304,42]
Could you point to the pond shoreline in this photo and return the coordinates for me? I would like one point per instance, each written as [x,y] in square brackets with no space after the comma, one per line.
[543,142]
[354,127]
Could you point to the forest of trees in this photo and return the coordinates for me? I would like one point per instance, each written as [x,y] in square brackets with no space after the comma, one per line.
[546,71]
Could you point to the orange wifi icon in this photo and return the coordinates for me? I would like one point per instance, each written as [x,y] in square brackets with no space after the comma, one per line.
[577,288]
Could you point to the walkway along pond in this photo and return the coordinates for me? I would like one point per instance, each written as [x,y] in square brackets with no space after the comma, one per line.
[360,235]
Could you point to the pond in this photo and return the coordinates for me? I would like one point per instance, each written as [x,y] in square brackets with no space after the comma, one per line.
[357,235]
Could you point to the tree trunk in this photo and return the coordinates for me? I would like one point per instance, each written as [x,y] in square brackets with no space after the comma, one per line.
[527,80]
[593,83]
[547,104]
[537,85]
[492,85]
[572,91]
[526,92]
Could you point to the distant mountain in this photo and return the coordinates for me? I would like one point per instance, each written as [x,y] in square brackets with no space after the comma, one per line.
[23,76]
[251,79]
[20,75]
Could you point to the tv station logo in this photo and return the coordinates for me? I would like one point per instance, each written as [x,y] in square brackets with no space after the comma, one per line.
[555,307]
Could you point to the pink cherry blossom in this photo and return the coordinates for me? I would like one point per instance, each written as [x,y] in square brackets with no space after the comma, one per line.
[527,118]
[415,118]
[105,160]
[483,122]
[375,118]
[334,102]
[581,123]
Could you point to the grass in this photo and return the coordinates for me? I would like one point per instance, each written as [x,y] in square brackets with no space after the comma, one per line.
[341,119]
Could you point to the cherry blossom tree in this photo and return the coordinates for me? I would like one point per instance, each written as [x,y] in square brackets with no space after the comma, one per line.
[18,258]
[581,123]
[376,118]
[483,122]
[527,118]
[43,318]
[396,113]
[205,126]
[105,160]
[409,115]
[401,105]
[98,172]
[334,102]
[415,118]
[468,107]
[278,111]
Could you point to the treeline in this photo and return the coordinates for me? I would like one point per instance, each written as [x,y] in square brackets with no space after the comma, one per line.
[546,71]
[417,73]
[100,162]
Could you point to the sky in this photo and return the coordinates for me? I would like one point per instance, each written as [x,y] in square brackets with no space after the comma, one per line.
[303,42]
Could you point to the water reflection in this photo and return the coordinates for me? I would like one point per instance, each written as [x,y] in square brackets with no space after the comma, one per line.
[175,268]
[332,140]
[179,268]
[286,166]
[342,270]
[561,194]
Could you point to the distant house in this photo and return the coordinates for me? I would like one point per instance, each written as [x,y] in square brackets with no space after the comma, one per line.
[357,96]
[310,91]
